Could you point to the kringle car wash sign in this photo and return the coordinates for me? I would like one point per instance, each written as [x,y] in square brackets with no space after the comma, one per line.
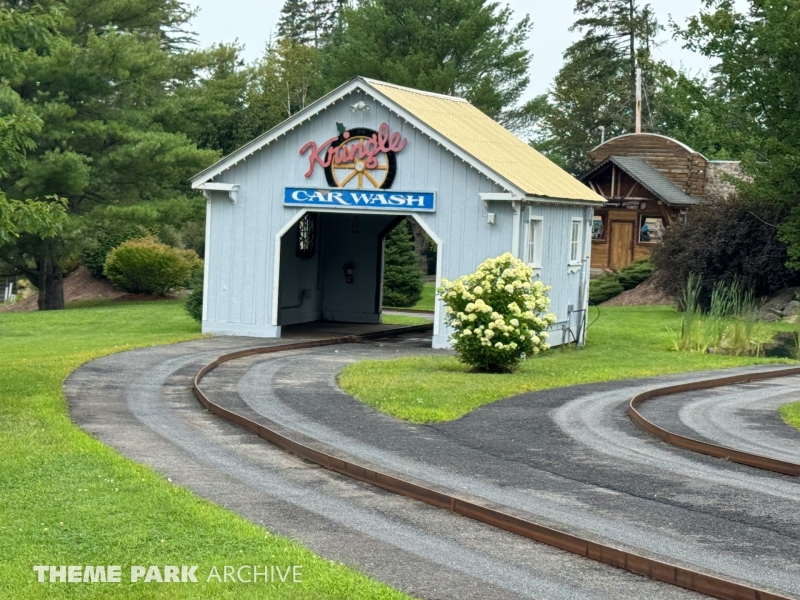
[360,165]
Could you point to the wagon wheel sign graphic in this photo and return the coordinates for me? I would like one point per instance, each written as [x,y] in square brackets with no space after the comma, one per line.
[355,156]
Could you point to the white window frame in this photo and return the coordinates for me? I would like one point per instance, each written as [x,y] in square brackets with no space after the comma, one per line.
[533,248]
[574,243]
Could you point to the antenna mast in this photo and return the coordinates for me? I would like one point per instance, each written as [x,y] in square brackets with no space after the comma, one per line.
[638,100]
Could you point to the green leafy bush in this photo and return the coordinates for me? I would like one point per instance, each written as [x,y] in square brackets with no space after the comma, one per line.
[105,240]
[145,266]
[721,241]
[604,288]
[497,314]
[402,277]
[194,303]
[635,273]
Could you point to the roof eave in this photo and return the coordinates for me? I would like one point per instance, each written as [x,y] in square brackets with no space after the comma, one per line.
[265,138]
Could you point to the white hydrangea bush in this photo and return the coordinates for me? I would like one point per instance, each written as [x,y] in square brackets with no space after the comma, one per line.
[498,315]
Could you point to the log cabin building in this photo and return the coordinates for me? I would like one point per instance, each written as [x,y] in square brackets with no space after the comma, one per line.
[649,181]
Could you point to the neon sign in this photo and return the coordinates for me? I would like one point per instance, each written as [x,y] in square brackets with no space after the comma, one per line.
[360,154]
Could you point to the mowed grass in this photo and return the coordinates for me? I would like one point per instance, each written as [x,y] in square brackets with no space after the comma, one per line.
[790,413]
[626,342]
[403,320]
[428,297]
[66,499]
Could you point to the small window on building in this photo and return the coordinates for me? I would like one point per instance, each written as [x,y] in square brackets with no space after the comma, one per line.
[651,230]
[575,242]
[533,245]
[598,229]
[307,236]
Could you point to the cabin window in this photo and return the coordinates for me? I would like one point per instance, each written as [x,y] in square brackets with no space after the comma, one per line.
[307,236]
[598,229]
[575,242]
[533,245]
[651,230]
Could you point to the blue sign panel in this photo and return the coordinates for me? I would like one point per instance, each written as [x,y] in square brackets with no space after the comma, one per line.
[361,199]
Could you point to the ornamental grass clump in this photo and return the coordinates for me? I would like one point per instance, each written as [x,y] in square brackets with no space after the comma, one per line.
[497,314]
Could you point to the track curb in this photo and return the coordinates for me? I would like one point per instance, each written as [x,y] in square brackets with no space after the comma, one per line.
[703,583]
[744,458]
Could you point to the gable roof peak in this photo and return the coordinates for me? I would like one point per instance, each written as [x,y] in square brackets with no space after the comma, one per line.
[454,123]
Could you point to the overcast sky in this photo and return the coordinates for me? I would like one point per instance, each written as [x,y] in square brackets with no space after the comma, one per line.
[251,21]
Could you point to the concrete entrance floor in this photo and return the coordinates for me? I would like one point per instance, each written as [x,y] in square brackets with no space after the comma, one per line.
[328,329]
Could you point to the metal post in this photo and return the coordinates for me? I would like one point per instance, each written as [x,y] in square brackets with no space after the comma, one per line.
[638,100]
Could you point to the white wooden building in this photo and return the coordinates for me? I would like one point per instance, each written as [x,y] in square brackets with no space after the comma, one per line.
[296,218]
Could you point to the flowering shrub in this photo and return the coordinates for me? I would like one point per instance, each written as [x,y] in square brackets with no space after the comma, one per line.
[497,314]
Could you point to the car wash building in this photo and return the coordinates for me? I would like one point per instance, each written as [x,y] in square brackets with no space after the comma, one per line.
[297,218]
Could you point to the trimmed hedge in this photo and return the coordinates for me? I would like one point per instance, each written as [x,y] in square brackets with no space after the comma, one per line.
[607,287]
[145,266]
[105,240]
[604,288]
[635,273]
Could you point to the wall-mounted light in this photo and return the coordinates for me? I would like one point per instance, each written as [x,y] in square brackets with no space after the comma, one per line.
[490,218]
[360,105]
[349,269]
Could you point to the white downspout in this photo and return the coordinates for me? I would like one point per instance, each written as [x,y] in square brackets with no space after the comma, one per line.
[516,205]
[586,274]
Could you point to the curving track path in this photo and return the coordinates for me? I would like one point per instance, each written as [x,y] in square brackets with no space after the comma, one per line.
[568,458]
[743,416]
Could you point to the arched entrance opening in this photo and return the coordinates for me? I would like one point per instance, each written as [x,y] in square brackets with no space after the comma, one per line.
[330,267]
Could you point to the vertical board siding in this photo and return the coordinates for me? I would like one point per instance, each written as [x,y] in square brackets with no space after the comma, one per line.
[241,247]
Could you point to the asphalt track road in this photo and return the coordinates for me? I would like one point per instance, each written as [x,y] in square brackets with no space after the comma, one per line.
[569,458]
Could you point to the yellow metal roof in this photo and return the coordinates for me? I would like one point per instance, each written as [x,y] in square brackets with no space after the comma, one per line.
[489,142]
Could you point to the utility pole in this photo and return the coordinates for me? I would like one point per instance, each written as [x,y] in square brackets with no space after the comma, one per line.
[638,100]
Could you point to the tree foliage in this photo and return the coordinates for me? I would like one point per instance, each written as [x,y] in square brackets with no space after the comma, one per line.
[757,55]
[467,48]
[402,278]
[595,87]
[725,241]
[121,103]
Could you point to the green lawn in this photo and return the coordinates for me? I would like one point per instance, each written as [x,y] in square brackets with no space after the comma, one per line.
[66,499]
[428,297]
[791,414]
[625,342]
[403,320]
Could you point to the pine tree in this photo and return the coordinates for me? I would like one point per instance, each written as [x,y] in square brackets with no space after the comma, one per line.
[402,278]
[293,23]
[595,86]
[469,48]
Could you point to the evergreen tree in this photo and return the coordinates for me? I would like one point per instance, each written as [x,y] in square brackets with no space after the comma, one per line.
[122,104]
[596,85]
[467,48]
[293,23]
[402,278]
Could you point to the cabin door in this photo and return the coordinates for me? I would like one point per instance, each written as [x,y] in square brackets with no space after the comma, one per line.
[621,242]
